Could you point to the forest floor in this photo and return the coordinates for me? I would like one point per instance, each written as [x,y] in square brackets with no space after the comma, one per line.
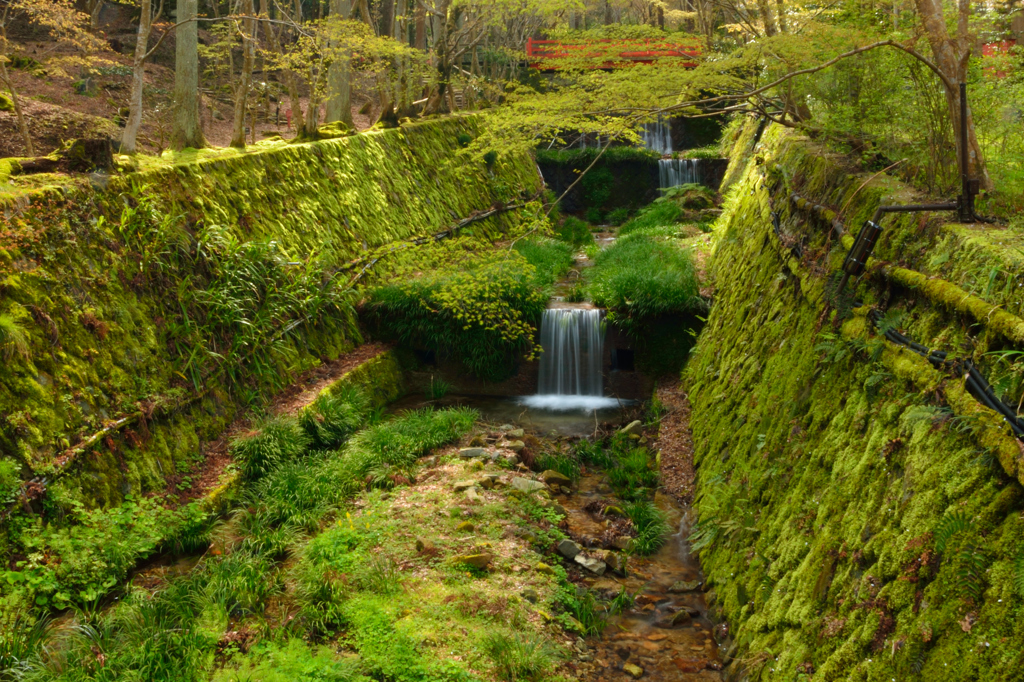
[64,98]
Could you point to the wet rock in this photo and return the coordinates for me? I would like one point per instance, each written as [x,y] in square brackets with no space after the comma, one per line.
[633,428]
[595,566]
[526,485]
[515,446]
[681,618]
[424,545]
[516,433]
[681,586]
[475,465]
[552,477]
[606,589]
[543,568]
[568,549]
[530,595]
[485,482]
[614,560]
[622,542]
[474,560]
[471,453]
[634,671]
[511,460]
[465,527]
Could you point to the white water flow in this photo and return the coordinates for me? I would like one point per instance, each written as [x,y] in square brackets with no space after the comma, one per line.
[572,361]
[657,136]
[675,172]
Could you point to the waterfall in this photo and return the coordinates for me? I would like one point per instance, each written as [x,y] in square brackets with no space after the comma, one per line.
[573,343]
[675,172]
[657,136]
[572,362]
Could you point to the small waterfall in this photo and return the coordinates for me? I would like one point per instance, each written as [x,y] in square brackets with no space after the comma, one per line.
[657,136]
[675,172]
[573,343]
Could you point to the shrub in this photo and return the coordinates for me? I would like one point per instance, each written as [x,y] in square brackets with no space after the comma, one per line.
[275,442]
[618,216]
[641,276]
[594,215]
[332,418]
[574,231]
[632,475]
[483,316]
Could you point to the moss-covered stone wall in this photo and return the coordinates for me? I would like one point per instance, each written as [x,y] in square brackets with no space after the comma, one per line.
[93,358]
[859,515]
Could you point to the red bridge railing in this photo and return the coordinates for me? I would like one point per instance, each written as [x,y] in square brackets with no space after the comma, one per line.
[544,54]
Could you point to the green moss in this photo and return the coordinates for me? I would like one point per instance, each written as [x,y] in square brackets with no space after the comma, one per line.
[822,476]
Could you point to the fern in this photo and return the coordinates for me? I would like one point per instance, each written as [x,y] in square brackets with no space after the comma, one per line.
[970,576]
[13,339]
[948,527]
[1018,574]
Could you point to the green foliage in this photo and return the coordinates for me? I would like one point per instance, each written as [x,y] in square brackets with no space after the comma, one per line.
[1018,573]
[689,195]
[597,186]
[484,316]
[640,277]
[591,452]
[291,661]
[623,601]
[574,231]
[948,527]
[438,388]
[562,462]
[588,618]
[594,215]
[618,216]
[657,215]
[332,418]
[23,639]
[80,562]
[10,481]
[632,476]
[241,583]
[550,258]
[519,657]
[275,442]
[650,525]
[584,157]
[14,340]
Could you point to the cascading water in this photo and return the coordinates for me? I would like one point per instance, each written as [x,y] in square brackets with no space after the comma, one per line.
[675,172]
[657,136]
[571,366]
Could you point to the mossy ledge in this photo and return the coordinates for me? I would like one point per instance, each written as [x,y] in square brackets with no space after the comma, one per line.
[77,280]
[858,513]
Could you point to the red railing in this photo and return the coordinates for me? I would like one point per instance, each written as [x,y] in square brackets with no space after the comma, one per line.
[615,53]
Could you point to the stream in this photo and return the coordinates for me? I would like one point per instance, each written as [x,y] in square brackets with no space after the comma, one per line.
[667,632]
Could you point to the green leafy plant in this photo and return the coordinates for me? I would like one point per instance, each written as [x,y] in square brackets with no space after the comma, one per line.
[574,231]
[1018,573]
[618,216]
[650,525]
[275,442]
[948,527]
[519,657]
[660,214]
[332,418]
[438,388]
[14,341]
[562,462]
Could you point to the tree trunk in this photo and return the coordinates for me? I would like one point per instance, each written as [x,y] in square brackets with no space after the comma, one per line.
[421,27]
[766,17]
[607,12]
[188,129]
[951,57]
[339,80]
[22,123]
[131,128]
[242,94]
[290,81]
[780,10]
[387,19]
